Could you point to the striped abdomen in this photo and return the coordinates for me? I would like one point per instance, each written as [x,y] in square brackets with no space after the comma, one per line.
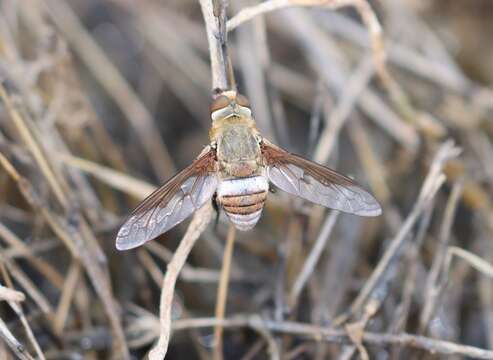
[243,199]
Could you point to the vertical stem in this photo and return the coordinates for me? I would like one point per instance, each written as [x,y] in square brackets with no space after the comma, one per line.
[222,292]
[214,12]
[197,226]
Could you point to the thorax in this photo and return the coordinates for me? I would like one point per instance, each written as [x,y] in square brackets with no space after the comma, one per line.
[237,146]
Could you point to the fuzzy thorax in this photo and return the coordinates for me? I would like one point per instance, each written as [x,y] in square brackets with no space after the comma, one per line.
[237,147]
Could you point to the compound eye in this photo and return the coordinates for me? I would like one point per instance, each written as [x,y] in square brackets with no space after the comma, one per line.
[242,100]
[219,103]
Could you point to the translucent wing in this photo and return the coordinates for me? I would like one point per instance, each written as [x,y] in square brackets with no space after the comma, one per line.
[317,183]
[172,203]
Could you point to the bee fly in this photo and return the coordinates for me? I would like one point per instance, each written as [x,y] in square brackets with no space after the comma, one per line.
[237,167]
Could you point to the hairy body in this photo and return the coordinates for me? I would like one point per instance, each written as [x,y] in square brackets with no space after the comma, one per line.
[243,188]
[237,166]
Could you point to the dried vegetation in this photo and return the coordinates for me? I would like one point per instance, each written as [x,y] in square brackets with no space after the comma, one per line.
[102,100]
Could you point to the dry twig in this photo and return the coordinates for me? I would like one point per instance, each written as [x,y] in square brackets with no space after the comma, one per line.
[198,224]
[222,292]
[326,334]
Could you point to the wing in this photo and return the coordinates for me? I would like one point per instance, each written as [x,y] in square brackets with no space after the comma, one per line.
[317,183]
[172,203]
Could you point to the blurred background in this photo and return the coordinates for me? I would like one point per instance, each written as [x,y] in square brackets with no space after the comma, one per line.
[101,101]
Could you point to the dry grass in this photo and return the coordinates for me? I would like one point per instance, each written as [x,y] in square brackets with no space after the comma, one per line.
[101,101]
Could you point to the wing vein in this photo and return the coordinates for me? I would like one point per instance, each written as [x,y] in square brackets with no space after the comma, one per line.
[317,183]
[183,194]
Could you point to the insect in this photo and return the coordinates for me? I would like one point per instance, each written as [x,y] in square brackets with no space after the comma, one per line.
[237,167]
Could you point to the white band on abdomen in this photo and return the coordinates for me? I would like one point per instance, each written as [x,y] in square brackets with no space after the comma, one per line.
[245,222]
[243,186]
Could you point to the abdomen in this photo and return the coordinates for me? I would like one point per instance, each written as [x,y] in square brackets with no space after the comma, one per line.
[243,199]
